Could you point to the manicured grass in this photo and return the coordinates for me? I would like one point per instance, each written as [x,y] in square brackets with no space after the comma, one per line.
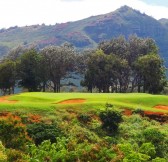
[48,102]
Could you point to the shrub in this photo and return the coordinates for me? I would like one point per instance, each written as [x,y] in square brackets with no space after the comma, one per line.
[138,111]
[13,133]
[16,156]
[41,131]
[159,160]
[135,153]
[157,138]
[67,150]
[148,148]
[110,120]
[3,157]
[84,118]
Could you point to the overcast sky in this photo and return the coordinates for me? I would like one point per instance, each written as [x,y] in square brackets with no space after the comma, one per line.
[29,12]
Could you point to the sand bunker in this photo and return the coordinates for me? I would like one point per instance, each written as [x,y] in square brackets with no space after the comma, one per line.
[5,100]
[127,112]
[153,113]
[161,107]
[72,101]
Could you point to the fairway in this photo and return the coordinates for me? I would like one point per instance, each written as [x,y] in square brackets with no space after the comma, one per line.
[47,102]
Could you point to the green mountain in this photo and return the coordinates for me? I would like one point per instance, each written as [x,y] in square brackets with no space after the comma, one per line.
[88,32]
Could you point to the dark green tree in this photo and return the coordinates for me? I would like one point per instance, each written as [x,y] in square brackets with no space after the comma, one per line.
[60,61]
[28,70]
[118,46]
[110,120]
[127,66]
[150,68]
[43,72]
[104,71]
[7,76]
[95,75]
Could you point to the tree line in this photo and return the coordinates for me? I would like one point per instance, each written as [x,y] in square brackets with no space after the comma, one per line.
[126,66]
[118,65]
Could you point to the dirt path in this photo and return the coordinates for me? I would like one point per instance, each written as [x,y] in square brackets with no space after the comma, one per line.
[5,100]
[72,101]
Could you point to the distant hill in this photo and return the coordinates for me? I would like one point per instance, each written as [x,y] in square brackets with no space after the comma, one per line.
[164,22]
[88,32]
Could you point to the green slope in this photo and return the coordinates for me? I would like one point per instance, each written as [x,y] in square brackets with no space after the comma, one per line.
[49,102]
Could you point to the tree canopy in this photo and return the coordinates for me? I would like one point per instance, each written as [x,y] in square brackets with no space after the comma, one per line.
[126,66]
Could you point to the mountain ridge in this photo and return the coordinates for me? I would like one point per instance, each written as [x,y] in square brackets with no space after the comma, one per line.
[88,32]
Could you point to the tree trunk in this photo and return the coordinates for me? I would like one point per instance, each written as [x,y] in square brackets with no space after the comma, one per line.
[44,87]
[55,88]
[13,89]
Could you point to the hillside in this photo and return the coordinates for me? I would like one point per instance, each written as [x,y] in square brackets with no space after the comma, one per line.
[88,32]
[73,127]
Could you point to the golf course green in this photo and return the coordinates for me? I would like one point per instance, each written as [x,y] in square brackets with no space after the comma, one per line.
[41,101]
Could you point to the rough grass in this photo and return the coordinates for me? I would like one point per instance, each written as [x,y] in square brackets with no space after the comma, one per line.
[46,103]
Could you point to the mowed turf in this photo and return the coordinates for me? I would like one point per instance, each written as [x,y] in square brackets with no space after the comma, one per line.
[48,102]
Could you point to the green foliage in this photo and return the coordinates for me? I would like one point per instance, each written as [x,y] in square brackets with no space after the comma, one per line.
[138,111]
[150,68]
[159,160]
[104,71]
[157,138]
[148,148]
[77,129]
[28,70]
[7,76]
[48,152]
[16,156]
[68,150]
[84,118]
[132,154]
[3,156]
[146,152]
[138,130]
[41,131]
[116,61]
[13,133]
[110,120]
[60,61]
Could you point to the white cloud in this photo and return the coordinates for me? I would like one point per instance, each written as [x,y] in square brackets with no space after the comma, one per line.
[28,12]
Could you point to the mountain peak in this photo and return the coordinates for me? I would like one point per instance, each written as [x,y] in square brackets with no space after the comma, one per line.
[124,8]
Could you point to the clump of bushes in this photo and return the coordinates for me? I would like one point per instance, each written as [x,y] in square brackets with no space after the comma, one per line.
[42,131]
[3,156]
[110,119]
[84,118]
[13,132]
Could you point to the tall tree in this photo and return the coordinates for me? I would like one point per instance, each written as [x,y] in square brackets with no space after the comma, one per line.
[43,72]
[60,61]
[15,53]
[118,46]
[7,76]
[28,70]
[104,71]
[150,68]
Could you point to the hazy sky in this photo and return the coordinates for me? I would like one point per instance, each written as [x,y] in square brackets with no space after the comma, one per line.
[29,12]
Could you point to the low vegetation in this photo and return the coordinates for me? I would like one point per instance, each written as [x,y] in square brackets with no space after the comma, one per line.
[40,127]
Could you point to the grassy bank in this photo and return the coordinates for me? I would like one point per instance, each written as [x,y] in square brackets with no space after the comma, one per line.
[49,102]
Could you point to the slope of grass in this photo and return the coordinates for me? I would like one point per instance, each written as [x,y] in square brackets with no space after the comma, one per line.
[49,102]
